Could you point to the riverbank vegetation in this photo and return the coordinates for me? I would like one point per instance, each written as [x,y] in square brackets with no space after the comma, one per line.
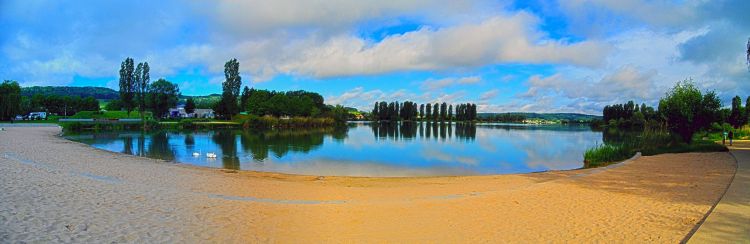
[682,114]
[153,101]
[411,111]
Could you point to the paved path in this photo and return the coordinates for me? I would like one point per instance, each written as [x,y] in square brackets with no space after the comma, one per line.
[730,220]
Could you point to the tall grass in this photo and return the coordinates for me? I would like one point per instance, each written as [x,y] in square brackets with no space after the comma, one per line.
[269,122]
[652,141]
[604,154]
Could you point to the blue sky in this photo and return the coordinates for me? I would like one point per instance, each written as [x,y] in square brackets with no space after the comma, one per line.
[537,56]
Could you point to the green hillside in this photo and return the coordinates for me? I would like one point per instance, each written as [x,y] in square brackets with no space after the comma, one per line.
[102,93]
[547,116]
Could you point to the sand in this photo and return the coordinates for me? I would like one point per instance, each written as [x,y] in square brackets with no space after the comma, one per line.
[55,190]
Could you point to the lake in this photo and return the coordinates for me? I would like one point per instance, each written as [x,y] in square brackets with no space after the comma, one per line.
[366,149]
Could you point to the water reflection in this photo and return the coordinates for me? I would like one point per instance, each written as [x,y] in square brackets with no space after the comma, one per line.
[425,130]
[368,149]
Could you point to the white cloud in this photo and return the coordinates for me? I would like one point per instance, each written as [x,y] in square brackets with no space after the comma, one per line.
[489,95]
[500,39]
[436,84]
[364,100]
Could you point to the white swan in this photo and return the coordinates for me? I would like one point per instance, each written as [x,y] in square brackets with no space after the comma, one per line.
[196,154]
[211,155]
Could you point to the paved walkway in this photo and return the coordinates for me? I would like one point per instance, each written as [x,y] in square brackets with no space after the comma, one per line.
[730,220]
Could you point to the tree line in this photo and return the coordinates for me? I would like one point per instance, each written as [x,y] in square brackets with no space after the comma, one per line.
[271,103]
[629,114]
[13,103]
[683,111]
[411,111]
[138,93]
[291,103]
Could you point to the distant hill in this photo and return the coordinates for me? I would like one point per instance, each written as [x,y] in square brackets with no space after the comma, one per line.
[206,101]
[86,91]
[548,116]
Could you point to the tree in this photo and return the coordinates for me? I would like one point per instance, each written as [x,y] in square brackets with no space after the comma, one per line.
[163,95]
[189,105]
[227,107]
[737,117]
[376,112]
[244,98]
[686,110]
[141,86]
[428,109]
[127,86]
[748,53]
[340,114]
[435,111]
[10,99]
[443,111]
[450,112]
[421,111]
[113,105]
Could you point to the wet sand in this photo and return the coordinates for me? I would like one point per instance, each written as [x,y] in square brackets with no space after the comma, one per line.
[55,190]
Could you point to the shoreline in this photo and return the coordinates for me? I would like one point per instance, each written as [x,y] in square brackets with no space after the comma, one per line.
[124,197]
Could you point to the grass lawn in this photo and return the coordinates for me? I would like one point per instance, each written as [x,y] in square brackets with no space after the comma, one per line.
[108,115]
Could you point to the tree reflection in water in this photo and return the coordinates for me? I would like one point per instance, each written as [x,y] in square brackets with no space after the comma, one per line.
[427,130]
[261,143]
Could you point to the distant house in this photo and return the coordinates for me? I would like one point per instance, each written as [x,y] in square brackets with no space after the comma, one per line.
[203,113]
[179,112]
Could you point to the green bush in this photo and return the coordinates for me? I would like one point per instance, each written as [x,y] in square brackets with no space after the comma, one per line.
[108,115]
[652,141]
[605,154]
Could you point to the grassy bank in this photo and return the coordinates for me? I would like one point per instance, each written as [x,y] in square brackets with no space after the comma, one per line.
[650,142]
[238,122]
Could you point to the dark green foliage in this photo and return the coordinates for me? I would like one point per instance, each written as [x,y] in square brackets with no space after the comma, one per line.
[629,115]
[113,105]
[141,88]
[503,117]
[411,111]
[443,111]
[10,99]
[435,111]
[162,96]
[228,106]
[63,105]
[206,102]
[428,109]
[686,110]
[737,116]
[339,114]
[73,91]
[450,112]
[466,112]
[190,105]
[376,111]
[127,85]
[292,103]
[244,98]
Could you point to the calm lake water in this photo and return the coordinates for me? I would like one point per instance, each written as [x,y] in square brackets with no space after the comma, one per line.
[367,149]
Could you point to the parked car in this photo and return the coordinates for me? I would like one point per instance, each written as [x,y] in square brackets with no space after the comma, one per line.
[37,115]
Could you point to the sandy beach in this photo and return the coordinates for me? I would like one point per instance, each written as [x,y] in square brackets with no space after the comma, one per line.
[55,190]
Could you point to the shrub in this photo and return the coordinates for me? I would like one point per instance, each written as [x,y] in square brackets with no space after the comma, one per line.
[605,154]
